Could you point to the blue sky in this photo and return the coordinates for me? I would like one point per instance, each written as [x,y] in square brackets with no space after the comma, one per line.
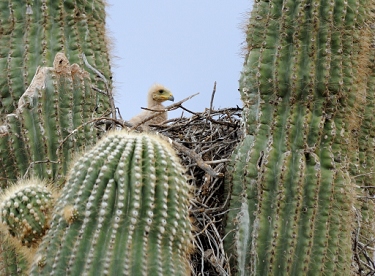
[184,45]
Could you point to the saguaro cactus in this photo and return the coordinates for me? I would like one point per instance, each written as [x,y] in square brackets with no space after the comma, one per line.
[123,211]
[41,109]
[304,88]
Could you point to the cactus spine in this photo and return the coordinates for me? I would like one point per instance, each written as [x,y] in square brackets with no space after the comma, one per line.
[123,211]
[303,86]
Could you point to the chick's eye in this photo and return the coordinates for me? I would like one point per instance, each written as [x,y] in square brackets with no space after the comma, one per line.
[161,91]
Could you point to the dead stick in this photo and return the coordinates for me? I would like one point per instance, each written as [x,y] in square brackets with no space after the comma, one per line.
[89,122]
[212,98]
[211,103]
[189,111]
[200,115]
[109,92]
[38,162]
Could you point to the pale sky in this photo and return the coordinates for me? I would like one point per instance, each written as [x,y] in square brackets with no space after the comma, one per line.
[184,45]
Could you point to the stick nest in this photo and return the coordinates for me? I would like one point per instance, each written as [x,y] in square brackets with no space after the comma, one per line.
[212,135]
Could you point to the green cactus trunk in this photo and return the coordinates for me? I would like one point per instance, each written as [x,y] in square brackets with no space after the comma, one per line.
[304,88]
[123,211]
[44,111]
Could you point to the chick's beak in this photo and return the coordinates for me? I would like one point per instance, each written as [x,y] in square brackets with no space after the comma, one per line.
[171,98]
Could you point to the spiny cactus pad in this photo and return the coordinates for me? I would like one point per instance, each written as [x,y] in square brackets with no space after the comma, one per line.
[25,211]
[123,211]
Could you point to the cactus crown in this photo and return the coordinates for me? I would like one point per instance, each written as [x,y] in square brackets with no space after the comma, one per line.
[126,199]
[25,209]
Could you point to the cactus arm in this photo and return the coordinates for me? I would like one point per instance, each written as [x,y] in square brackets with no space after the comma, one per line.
[34,32]
[39,133]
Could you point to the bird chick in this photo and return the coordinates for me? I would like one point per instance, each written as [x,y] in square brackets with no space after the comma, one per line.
[156,95]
